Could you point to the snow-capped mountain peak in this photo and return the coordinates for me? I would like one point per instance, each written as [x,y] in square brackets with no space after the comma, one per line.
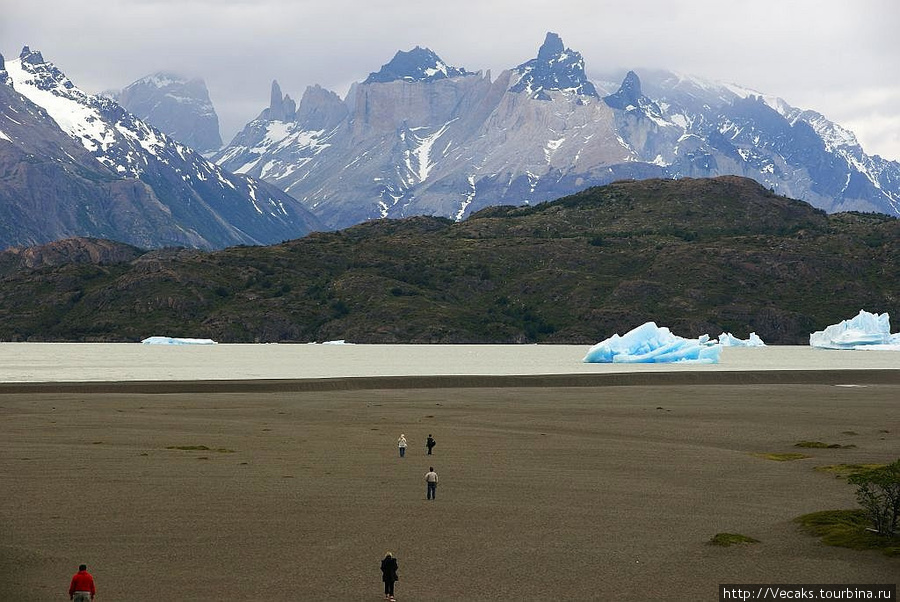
[631,99]
[556,68]
[451,146]
[77,113]
[418,64]
[178,105]
[202,203]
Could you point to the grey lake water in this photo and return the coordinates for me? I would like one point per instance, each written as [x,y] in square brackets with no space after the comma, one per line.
[73,362]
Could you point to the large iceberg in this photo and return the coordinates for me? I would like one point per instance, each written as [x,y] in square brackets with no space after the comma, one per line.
[726,339]
[865,331]
[649,343]
[176,341]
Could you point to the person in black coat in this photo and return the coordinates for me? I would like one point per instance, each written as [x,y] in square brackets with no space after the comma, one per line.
[430,443]
[389,568]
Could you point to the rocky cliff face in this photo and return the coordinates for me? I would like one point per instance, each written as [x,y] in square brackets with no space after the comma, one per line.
[176,105]
[92,251]
[437,141]
[80,165]
[422,137]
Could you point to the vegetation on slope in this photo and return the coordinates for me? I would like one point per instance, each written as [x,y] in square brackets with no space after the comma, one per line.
[698,256]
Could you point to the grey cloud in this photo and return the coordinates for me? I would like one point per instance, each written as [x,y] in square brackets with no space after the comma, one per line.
[815,54]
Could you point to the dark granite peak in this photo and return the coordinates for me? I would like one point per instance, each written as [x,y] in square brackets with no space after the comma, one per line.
[552,46]
[31,57]
[555,68]
[418,64]
[628,94]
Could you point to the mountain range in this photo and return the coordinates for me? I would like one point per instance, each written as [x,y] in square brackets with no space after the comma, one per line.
[417,137]
[421,137]
[73,164]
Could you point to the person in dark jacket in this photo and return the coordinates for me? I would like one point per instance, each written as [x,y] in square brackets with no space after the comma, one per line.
[430,443]
[389,575]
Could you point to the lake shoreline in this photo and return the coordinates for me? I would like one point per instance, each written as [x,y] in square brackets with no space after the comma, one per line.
[846,377]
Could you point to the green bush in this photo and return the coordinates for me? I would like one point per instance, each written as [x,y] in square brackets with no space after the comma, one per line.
[730,539]
[878,492]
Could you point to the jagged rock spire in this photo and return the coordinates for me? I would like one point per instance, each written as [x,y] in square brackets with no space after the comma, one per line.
[555,68]
[553,46]
[32,57]
[631,99]
[281,108]
[275,98]
[628,94]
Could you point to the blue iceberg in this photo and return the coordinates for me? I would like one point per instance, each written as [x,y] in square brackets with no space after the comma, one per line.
[726,339]
[649,343]
[865,331]
[177,341]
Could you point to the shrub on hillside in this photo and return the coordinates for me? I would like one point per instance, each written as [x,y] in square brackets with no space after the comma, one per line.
[878,492]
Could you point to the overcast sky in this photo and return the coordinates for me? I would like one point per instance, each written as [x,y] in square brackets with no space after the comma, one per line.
[839,57]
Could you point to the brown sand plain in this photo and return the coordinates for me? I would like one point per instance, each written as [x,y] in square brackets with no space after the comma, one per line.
[565,493]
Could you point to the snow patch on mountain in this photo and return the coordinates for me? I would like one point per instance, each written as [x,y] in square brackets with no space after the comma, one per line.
[422,152]
[469,197]
[777,103]
[69,107]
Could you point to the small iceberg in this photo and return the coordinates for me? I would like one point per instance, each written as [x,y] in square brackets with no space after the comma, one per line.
[866,331]
[649,343]
[726,339]
[177,341]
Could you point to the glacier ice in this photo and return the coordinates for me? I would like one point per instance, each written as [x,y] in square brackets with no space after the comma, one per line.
[649,343]
[865,331]
[726,339]
[176,341]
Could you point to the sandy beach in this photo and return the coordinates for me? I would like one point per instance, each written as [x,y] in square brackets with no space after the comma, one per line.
[569,489]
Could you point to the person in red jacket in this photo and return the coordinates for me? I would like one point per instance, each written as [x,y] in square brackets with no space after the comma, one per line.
[82,587]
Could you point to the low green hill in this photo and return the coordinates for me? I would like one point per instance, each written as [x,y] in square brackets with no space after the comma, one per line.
[699,256]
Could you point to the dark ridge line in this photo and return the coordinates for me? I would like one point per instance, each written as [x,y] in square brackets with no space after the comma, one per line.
[737,378]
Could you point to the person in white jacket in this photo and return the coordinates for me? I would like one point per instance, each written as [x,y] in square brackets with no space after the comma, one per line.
[401,443]
[431,481]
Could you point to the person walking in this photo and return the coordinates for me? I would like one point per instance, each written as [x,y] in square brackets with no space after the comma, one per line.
[401,443]
[389,568]
[82,589]
[430,443]
[431,480]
